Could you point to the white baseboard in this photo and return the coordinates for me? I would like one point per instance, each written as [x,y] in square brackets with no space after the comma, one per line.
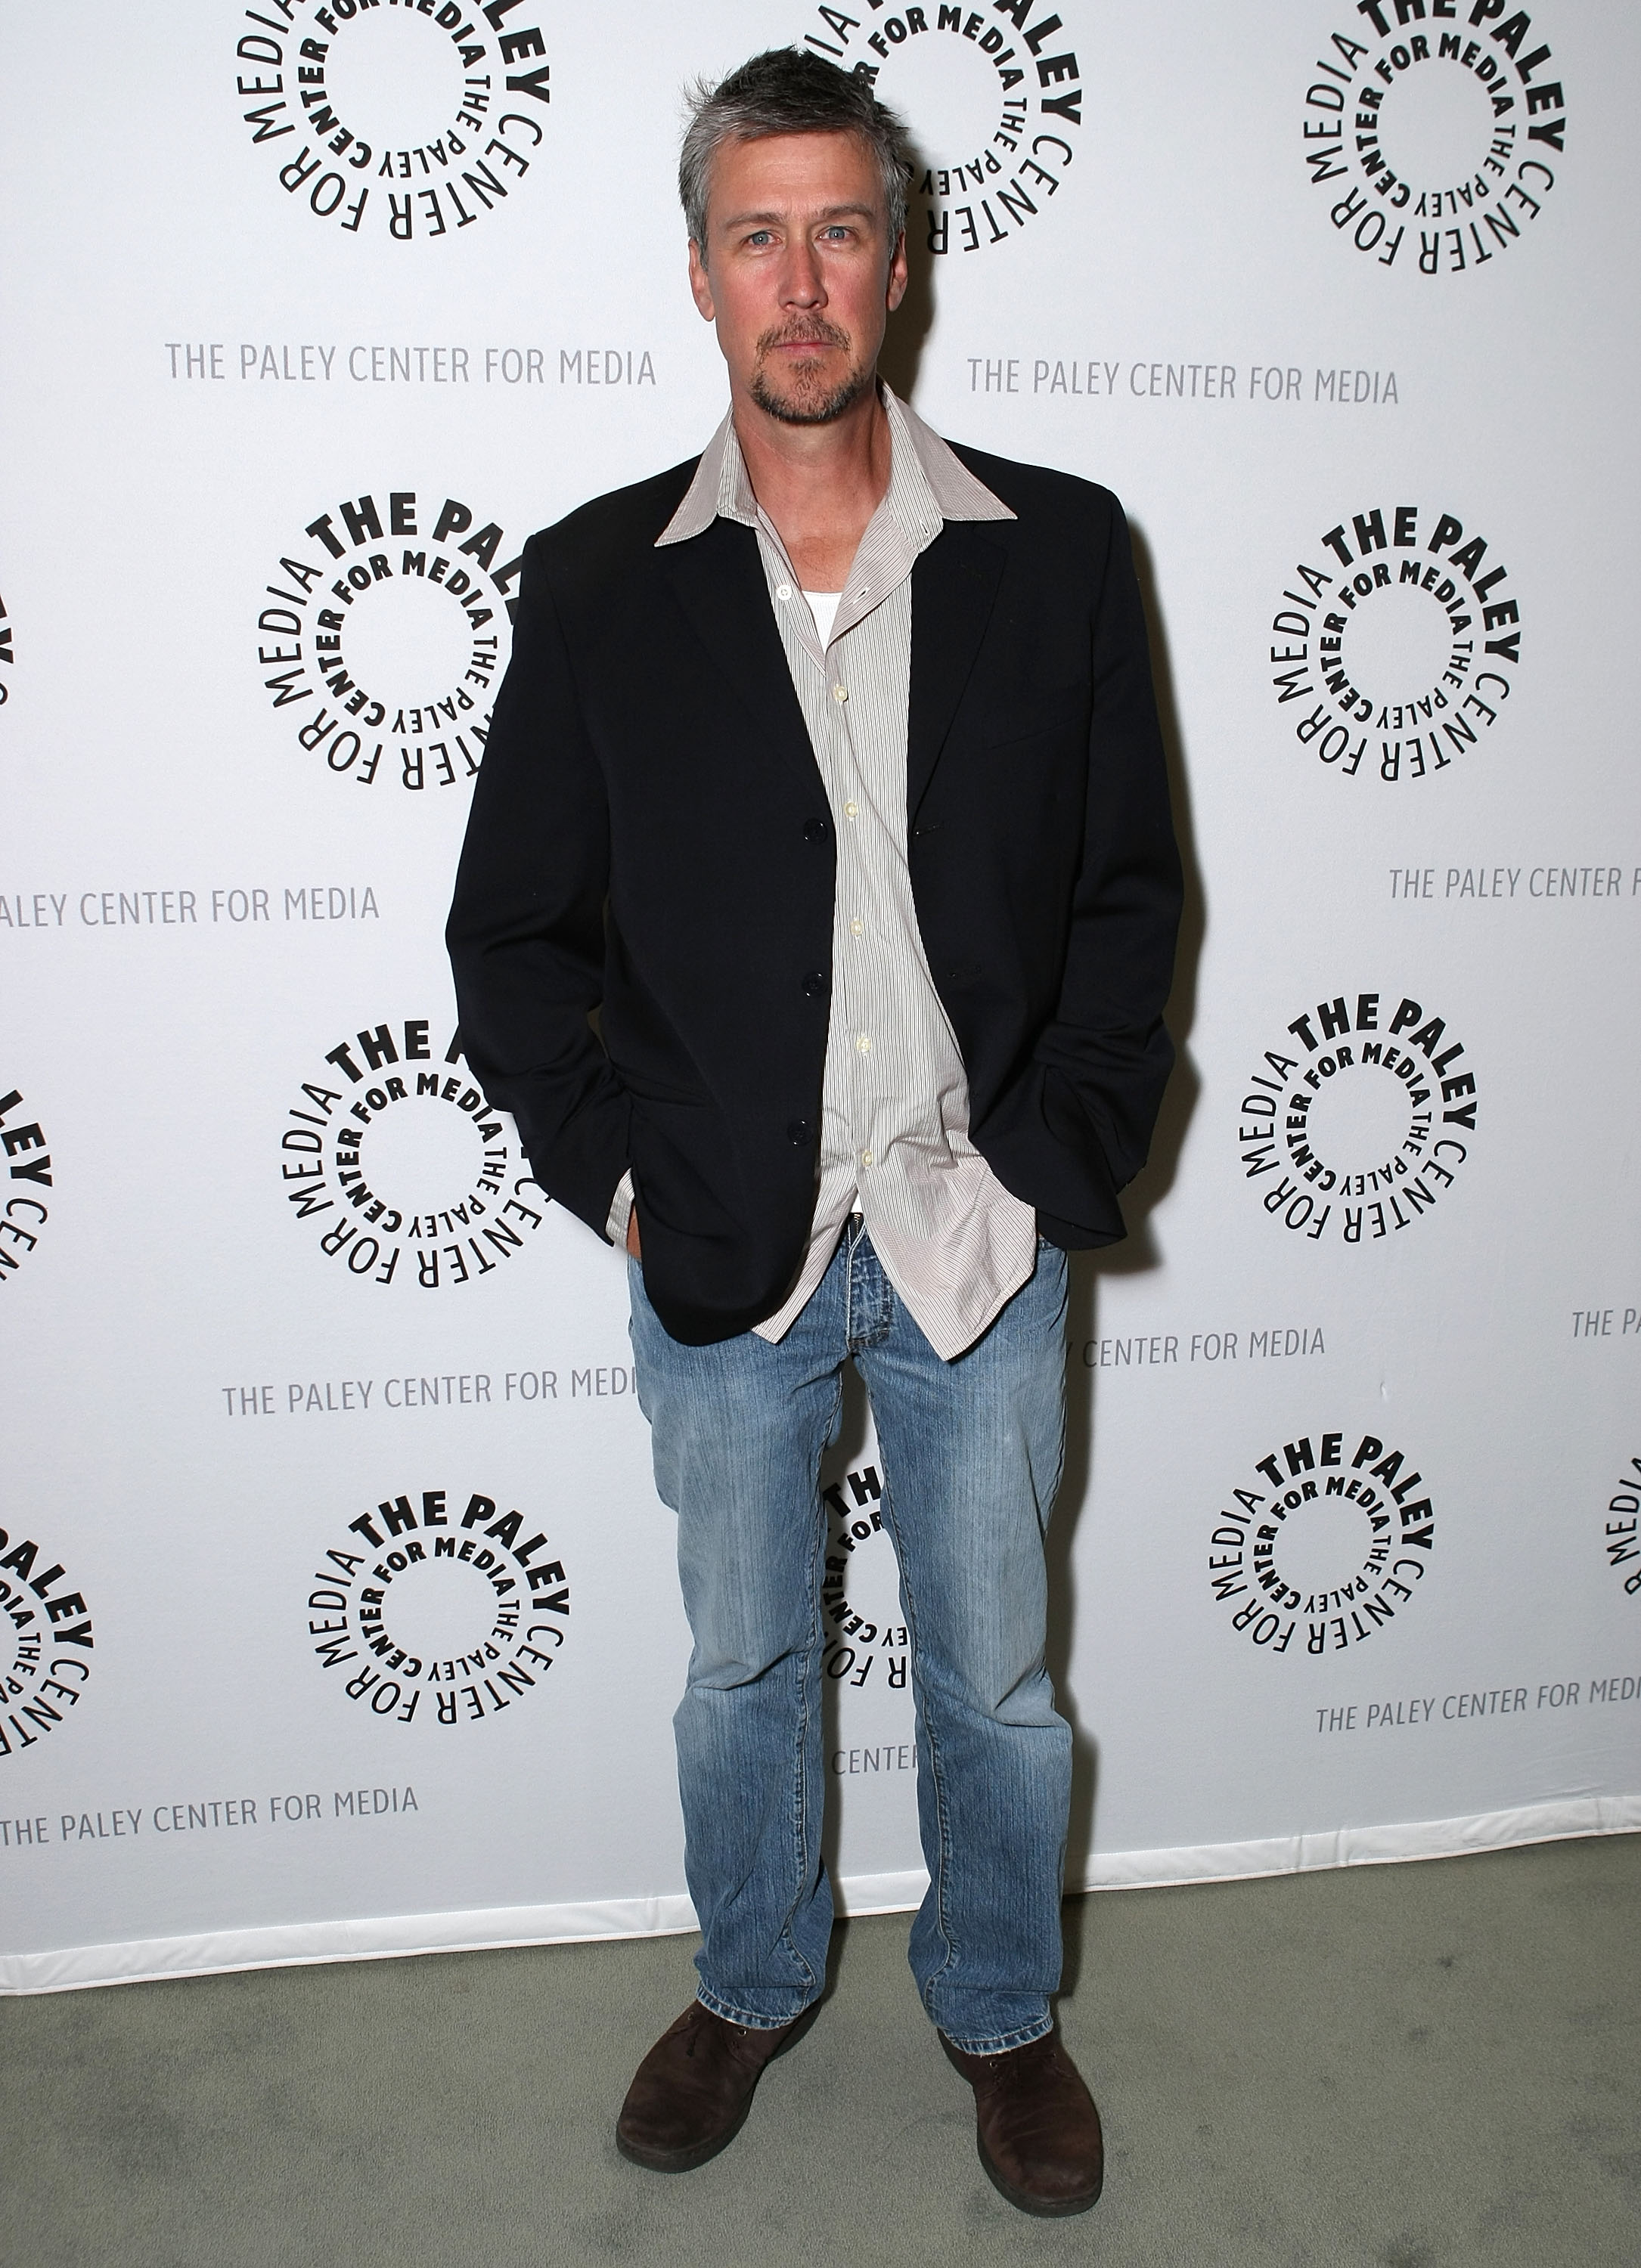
[211,1952]
[208,1952]
[1366,1846]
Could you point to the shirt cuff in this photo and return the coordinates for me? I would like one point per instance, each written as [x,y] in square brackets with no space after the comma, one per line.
[620,1211]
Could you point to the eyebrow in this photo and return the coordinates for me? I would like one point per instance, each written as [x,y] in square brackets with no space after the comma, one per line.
[767,219]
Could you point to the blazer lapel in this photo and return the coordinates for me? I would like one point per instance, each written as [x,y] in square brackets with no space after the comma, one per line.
[954,585]
[717,578]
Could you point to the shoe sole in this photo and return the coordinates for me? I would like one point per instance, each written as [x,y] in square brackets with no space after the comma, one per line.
[1023,2200]
[683,2161]
[1043,2208]
[699,2154]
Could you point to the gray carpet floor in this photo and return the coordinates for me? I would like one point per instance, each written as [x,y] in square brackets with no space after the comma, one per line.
[1407,2067]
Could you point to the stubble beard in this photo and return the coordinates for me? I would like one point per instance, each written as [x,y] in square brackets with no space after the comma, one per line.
[806,402]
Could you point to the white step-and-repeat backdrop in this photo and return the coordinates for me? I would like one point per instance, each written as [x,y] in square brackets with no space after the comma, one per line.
[340,1610]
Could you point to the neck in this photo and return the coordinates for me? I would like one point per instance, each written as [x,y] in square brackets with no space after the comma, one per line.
[820,484]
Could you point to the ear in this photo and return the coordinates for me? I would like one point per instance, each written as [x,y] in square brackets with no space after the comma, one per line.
[899,274]
[701,288]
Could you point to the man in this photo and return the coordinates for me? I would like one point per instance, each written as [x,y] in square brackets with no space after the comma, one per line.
[827,770]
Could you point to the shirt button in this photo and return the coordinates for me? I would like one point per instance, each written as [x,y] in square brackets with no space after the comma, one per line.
[840,692]
[783,591]
[815,983]
[868,1158]
[797,1131]
[857,927]
[851,810]
[863,1043]
[813,830]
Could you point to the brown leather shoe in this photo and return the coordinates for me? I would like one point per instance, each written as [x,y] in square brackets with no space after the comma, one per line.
[1036,2126]
[690,2094]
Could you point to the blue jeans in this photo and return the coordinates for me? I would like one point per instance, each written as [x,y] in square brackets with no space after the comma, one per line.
[972,1454]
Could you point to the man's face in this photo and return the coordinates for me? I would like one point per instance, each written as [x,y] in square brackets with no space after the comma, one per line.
[797,271]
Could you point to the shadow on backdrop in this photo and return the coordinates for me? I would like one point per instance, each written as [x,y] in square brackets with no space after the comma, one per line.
[910,325]
[1138,1253]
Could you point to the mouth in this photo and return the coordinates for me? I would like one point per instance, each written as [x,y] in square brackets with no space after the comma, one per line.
[807,342]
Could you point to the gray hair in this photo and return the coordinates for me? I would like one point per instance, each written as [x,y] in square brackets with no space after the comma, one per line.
[789,90]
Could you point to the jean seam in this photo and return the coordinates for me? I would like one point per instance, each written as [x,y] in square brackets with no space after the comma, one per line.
[801,1799]
[921,1694]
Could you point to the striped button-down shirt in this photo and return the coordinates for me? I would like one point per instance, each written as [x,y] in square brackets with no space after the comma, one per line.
[895,1102]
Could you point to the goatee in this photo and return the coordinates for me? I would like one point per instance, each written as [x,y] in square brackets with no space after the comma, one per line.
[806,408]
[821,411]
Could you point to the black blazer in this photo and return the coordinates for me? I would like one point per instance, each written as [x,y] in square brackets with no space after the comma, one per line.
[650,839]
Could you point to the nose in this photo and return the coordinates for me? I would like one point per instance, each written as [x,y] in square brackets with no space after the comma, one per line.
[803,283]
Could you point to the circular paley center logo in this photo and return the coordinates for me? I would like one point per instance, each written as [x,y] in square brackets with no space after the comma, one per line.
[1322,1543]
[1435,127]
[1395,642]
[27,1176]
[382,636]
[454,1613]
[46,1662]
[408,120]
[1359,1121]
[6,654]
[1623,1529]
[993,97]
[859,1636]
[400,1169]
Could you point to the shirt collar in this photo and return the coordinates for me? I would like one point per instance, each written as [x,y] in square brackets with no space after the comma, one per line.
[928,482]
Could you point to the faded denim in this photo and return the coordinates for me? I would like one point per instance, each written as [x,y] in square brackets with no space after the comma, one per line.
[972,1454]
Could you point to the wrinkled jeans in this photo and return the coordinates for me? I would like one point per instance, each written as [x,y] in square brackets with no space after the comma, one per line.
[972,1453]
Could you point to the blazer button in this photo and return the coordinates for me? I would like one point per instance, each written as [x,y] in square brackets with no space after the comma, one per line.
[815,983]
[813,830]
[797,1132]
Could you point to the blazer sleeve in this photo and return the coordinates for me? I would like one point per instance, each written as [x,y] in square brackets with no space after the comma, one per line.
[1106,1041]
[526,932]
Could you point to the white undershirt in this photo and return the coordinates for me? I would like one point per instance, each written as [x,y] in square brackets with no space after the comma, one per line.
[823,606]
